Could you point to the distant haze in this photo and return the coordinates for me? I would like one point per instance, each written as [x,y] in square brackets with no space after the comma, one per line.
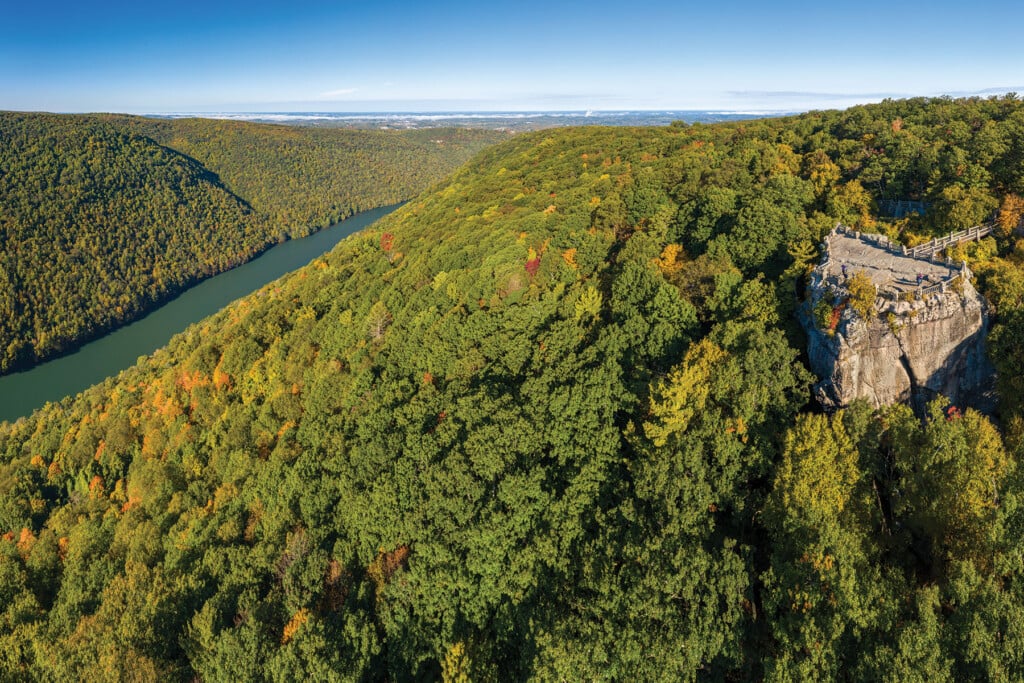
[466,56]
[514,121]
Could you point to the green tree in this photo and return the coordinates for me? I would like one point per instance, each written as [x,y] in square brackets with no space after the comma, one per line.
[955,469]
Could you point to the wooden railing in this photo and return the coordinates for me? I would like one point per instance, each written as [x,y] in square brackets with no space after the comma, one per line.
[929,249]
[926,251]
[893,294]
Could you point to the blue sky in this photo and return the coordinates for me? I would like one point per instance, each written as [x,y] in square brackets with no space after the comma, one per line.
[420,56]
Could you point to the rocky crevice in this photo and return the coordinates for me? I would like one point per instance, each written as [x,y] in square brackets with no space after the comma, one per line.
[915,387]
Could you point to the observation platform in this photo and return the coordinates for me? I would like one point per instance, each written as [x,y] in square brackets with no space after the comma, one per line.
[888,269]
[893,268]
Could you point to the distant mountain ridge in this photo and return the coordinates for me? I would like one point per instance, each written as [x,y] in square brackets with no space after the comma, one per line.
[514,120]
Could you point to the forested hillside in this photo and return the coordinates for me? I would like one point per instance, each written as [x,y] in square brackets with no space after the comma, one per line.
[101,217]
[548,422]
[307,178]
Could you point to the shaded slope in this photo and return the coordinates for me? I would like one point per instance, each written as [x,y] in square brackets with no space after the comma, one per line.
[97,224]
[307,178]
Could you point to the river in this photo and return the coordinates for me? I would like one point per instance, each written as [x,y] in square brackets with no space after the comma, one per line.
[23,392]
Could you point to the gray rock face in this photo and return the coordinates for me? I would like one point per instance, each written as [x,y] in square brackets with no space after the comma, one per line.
[937,347]
[913,349]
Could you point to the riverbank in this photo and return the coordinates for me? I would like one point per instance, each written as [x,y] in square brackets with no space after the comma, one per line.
[23,392]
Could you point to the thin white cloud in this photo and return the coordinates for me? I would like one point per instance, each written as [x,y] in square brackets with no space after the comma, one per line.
[335,94]
[985,91]
[791,94]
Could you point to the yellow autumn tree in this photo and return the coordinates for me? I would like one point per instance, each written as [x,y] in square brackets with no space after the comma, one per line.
[862,295]
[294,624]
[588,306]
[851,204]
[785,160]
[804,254]
[457,665]
[822,171]
[817,475]
[678,398]
[1011,210]
[669,262]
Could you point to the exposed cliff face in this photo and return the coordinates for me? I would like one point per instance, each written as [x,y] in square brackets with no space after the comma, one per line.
[910,351]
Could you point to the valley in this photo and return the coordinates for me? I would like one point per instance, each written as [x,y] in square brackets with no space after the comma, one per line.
[551,419]
[103,217]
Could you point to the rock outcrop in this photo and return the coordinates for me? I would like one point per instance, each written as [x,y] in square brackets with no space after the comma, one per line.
[920,341]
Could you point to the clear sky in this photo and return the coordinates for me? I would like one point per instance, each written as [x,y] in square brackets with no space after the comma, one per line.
[396,55]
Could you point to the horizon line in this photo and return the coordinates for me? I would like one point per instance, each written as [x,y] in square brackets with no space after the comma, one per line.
[356,112]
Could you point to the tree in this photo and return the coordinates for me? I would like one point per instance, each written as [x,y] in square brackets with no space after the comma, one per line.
[954,470]
[862,295]
[676,400]
[816,478]
[1010,213]
[1008,357]
[915,653]
[960,207]
[823,587]
[822,171]
[851,204]
[457,666]
[377,320]
[588,306]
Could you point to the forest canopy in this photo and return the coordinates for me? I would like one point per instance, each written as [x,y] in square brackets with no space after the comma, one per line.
[548,421]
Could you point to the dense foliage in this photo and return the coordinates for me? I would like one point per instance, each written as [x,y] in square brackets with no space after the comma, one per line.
[549,422]
[308,178]
[101,217]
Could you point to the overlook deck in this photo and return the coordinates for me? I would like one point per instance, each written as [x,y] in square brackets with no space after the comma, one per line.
[893,268]
[888,269]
